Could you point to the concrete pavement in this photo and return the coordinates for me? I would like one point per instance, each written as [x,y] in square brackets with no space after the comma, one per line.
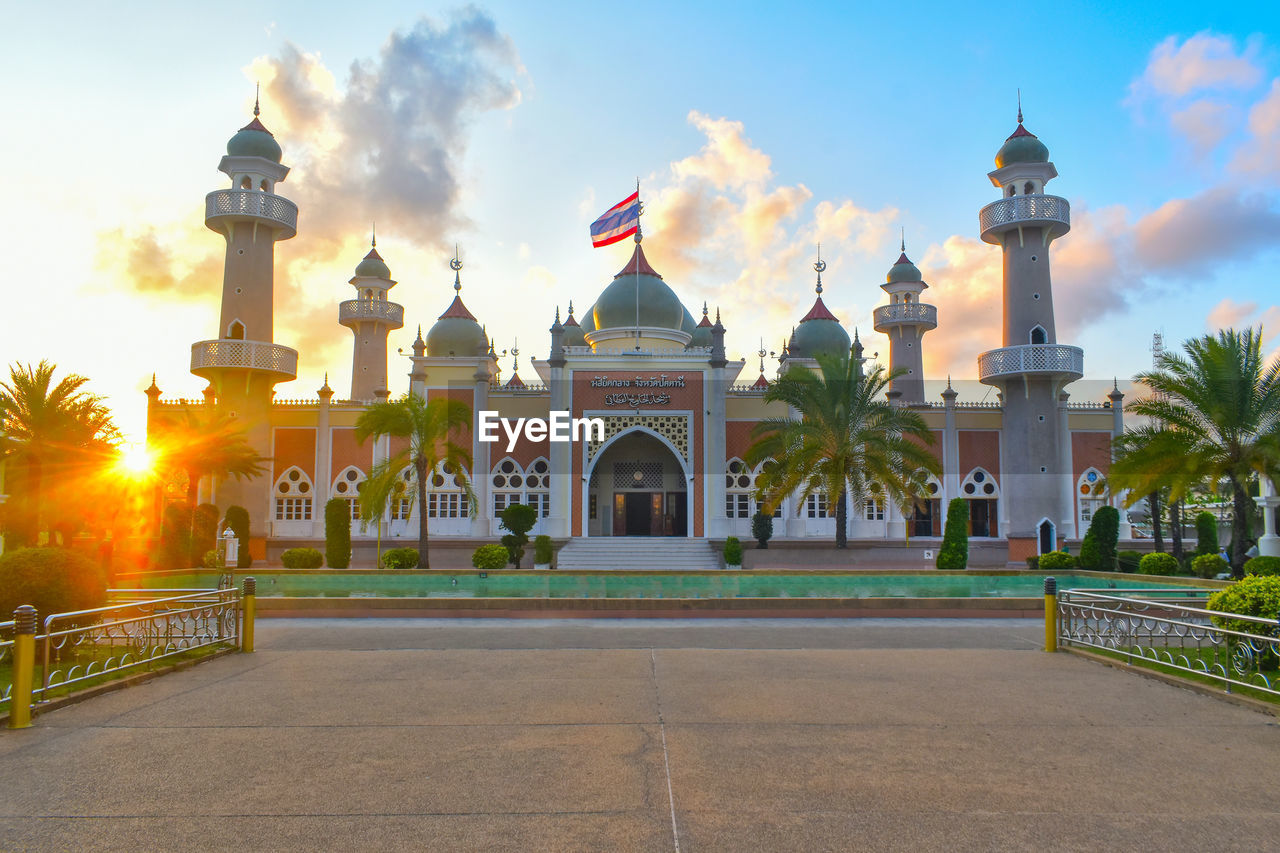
[682,735]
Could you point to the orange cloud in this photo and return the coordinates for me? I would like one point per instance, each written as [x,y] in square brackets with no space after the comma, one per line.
[1203,61]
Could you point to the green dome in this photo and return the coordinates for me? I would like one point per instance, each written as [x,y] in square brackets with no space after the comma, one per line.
[1022,146]
[373,266]
[657,304]
[254,140]
[456,333]
[819,333]
[574,336]
[700,332]
[903,270]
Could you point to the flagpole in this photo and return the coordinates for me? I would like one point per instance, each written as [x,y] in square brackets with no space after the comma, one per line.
[639,237]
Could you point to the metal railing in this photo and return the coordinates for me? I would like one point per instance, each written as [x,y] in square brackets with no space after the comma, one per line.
[905,312]
[6,661]
[1172,628]
[391,313]
[1058,359]
[1035,210]
[245,355]
[276,210]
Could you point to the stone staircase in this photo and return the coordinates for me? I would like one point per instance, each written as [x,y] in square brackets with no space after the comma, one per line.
[637,553]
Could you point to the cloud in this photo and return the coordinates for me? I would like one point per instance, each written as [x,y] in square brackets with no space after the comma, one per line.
[966,286]
[1204,124]
[1228,314]
[168,262]
[1260,154]
[1203,62]
[1188,237]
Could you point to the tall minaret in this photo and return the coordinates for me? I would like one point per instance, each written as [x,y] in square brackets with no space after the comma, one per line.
[1032,368]
[243,364]
[905,320]
[370,317]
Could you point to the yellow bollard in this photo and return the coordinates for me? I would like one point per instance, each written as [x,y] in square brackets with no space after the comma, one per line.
[24,666]
[250,608]
[1050,614]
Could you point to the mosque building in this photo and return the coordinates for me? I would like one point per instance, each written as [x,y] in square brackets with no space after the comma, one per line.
[678,415]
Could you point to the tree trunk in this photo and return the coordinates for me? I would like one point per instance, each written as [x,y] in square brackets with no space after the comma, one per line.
[420,466]
[842,520]
[1242,509]
[1175,529]
[1157,533]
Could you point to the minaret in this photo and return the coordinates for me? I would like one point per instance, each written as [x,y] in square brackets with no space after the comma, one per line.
[370,317]
[904,321]
[243,364]
[1032,368]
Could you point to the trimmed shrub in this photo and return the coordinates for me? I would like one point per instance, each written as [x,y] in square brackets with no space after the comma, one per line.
[1127,561]
[337,533]
[1057,561]
[490,557]
[542,551]
[1098,550]
[237,518]
[175,537]
[211,560]
[1257,595]
[204,532]
[1157,564]
[519,520]
[732,551]
[1206,533]
[1262,566]
[1209,566]
[954,553]
[52,580]
[400,558]
[762,528]
[302,558]
[1033,562]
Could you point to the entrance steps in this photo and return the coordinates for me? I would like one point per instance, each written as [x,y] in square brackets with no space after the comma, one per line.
[638,553]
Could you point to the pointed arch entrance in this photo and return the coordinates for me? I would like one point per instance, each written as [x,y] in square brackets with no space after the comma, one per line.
[637,484]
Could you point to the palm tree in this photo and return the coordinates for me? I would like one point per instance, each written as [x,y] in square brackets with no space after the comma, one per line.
[847,441]
[1215,417]
[203,442]
[430,428]
[56,431]
[385,487]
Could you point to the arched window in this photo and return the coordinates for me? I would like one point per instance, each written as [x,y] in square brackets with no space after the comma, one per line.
[983,493]
[737,489]
[1091,495]
[236,331]
[445,495]
[264,186]
[246,183]
[293,495]
[1047,536]
[537,482]
[1028,188]
[508,483]
[402,502]
[347,485]
[1012,191]
[1038,335]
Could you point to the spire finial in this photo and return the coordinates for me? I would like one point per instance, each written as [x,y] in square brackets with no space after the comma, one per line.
[456,266]
[820,266]
[903,245]
[374,232]
[717,315]
[257,90]
[557,313]
[1019,106]
[704,308]
[570,307]
[515,354]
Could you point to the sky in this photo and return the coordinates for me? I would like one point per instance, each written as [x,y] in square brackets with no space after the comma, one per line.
[755,134]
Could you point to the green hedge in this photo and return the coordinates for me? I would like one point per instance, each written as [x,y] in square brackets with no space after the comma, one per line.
[337,533]
[762,529]
[400,558]
[1262,566]
[954,553]
[1157,564]
[1209,566]
[237,518]
[1206,533]
[1127,561]
[1257,595]
[490,557]
[542,550]
[1098,550]
[732,551]
[1057,561]
[52,580]
[302,558]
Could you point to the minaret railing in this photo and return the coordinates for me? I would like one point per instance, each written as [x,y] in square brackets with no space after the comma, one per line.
[1024,209]
[1053,359]
[371,309]
[252,204]
[906,312]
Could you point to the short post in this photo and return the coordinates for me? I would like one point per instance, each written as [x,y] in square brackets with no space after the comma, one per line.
[250,600]
[230,549]
[1050,614]
[24,666]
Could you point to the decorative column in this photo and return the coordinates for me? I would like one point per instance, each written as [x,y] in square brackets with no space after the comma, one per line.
[1117,430]
[324,457]
[713,468]
[1269,542]
[1066,482]
[950,452]
[480,464]
[561,491]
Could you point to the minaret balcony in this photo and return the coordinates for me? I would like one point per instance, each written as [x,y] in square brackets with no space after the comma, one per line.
[1049,212]
[212,358]
[273,211]
[905,314]
[355,311]
[1048,360]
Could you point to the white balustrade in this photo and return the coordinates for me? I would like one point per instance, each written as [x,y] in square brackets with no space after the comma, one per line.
[371,309]
[276,210]
[243,355]
[915,313]
[1035,210]
[1044,359]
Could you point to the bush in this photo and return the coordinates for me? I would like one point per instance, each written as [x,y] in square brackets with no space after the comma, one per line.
[204,532]
[519,520]
[1253,596]
[1033,563]
[542,550]
[1262,566]
[175,537]
[1127,561]
[1098,550]
[762,528]
[237,518]
[1158,564]
[732,551]
[1057,561]
[302,558]
[52,580]
[1206,533]
[211,560]
[1209,566]
[400,558]
[490,557]
[337,533]
[954,553]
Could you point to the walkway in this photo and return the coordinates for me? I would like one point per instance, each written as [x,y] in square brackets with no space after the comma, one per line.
[644,735]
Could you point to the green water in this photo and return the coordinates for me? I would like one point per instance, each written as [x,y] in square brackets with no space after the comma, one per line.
[528,584]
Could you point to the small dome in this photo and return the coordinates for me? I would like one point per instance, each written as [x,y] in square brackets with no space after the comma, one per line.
[254,140]
[701,332]
[373,266]
[456,333]
[1022,146]
[819,333]
[903,270]
[574,336]
[656,305]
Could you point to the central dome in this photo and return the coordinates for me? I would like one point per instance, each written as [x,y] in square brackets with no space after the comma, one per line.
[638,297]
[1022,146]
[254,140]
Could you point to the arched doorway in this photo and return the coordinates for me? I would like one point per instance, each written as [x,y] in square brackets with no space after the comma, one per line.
[637,486]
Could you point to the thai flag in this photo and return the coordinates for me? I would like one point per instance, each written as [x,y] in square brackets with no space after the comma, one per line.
[618,222]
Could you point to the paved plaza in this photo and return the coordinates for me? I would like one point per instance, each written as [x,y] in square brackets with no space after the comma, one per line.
[689,735]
